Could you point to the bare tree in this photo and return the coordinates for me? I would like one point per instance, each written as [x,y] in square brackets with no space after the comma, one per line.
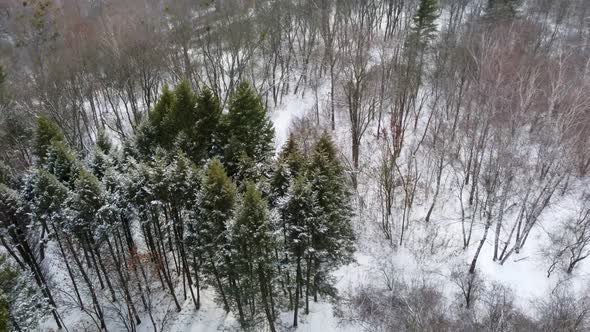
[359,81]
[570,244]
[470,285]
[564,311]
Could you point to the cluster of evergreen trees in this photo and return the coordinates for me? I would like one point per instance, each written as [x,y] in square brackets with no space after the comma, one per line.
[197,198]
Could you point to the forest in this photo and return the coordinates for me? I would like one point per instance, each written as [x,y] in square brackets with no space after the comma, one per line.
[294,165]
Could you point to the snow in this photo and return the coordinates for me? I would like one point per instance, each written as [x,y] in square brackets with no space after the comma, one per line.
[525,273]
[293,107]
[210,317]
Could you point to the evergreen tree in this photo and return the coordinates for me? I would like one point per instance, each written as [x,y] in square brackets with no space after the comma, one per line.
[200,137]
[174,113]
[247,170]
[248,130]
[184,108]
[113,228]
[86,204]
[45,196]
[300,213]
[88,199]
[216,208]
[183,120]
[103,143]
[46,134]
[192,233]
[15,224]
[207,134]
[22,306]
[422,32]
[289,165]
[3,78]
[160,129]
[147,191]
[502,9]
[423,23]
[145,141]
[62,163]
[253,251]
[332,236]
[53,155]
[100,160]
[47,200]
[5,173]
[178,179]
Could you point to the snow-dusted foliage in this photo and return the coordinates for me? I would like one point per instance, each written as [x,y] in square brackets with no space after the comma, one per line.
[22,305]
[334,165]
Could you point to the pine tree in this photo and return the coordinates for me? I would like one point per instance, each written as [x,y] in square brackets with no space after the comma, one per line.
[248,129]
[103,143]
[146,190]
[46,134]
[207,135]
[332,236]
[200,136]
[184,112]
[22,306]
[423,23]
[160,130]
[3,79]
[177,178]
[145,141]
[86,203]
[422,32]
[15,224]
[62,163]
[5,173]
[253,248]
[216,208]
[182,119]
[47,200]
[289,165]
[100,160]
[45,196]
[300,213]
[192,233]
[502,9]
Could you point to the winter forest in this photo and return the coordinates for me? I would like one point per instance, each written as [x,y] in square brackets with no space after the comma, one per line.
[295,165]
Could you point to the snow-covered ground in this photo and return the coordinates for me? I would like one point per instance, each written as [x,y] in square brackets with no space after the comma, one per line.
[525,273]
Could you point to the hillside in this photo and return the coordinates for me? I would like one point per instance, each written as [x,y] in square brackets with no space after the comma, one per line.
[295,165]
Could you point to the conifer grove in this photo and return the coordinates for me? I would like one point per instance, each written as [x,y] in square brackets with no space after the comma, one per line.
[195,200]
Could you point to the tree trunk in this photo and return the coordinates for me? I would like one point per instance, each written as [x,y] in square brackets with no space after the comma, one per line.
[264,293]
[88,284]
[481,243]
[219,285]
[307,284]
[297,291]
[124,283]
[68,267]
[12,253]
